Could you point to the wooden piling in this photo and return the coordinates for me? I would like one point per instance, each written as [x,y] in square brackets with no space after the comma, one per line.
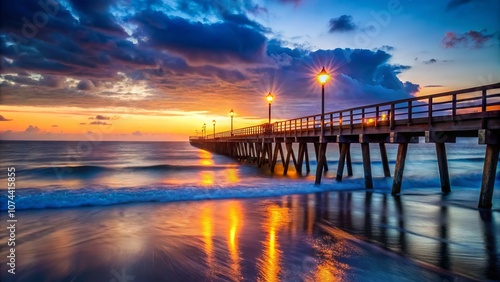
[289,153]
[321,162]
[443,167]
[399,169]
[342,157]
[385,161]
[489,173]
[306,155]
[348,160]
[365,149]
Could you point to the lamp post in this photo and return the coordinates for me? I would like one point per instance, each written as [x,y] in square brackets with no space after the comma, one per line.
[213,122]
[323,77]
[231,113]
[269,99]
[204,131]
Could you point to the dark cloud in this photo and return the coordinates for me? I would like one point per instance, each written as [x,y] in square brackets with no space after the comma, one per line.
[100,123]
[2,118]
[100,117]
[217,43]
[55,125]
[85,85]
[387,48]
[343,23]
[433,86]
[82,123]
[220,7]
[471,39]
[137,133]
[95,14]
[32,129]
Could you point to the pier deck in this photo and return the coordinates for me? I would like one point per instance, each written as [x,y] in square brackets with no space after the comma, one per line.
[440,118]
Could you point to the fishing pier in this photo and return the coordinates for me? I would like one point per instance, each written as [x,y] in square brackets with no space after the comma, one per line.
[440,118]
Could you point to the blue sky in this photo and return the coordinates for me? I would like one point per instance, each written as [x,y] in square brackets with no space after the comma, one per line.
[197,59]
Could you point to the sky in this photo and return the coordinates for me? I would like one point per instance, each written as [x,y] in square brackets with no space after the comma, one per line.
[157,70]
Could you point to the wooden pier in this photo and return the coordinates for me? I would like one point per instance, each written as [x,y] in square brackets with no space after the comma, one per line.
[440,118]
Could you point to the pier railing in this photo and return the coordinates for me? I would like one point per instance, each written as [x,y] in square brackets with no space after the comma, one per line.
[412,111]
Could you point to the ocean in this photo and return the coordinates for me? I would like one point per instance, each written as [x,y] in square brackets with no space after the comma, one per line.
[167,211]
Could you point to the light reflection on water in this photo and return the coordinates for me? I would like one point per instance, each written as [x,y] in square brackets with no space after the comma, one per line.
[258,240]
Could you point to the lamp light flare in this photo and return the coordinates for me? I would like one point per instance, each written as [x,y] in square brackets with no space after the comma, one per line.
[269,98]
[323,76]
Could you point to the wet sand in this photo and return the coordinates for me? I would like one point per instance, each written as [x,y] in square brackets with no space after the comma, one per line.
[334,236]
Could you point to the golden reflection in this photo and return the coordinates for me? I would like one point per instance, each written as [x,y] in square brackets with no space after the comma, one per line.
[207,177]
[269,264]
[206,158]
[207,231]
[232,175]
[311,202]
[235,216]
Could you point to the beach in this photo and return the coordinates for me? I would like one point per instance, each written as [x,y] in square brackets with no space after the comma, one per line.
[172,212]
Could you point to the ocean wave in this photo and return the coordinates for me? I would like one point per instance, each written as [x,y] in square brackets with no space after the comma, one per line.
[50,197]
[89,170]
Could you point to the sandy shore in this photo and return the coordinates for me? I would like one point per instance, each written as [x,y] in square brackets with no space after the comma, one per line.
[315,237]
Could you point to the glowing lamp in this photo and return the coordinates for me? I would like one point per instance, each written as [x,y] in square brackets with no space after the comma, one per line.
[323,76]
[269,98]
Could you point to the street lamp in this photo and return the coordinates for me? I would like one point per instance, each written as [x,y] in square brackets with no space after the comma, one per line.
[231,113]
[323,76]
[204,131]
[213,122]
[269,99]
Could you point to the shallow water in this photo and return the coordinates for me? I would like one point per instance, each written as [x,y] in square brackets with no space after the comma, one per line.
[275,239]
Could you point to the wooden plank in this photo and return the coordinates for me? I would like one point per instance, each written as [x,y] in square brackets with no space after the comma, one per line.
[385,161]
[365,149]
[489,173]
[443,167]
[399,169]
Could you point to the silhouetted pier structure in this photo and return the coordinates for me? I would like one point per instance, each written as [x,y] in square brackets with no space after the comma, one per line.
[441,118]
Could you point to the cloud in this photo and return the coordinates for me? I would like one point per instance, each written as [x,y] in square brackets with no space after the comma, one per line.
[217,43]
[100,123]
[85,85]
[471,39]
[433,86]
[137,133]
[343,23]
[83,123]
[387,48]
[100,117]
[2,118]
[55,125]
[32,129]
